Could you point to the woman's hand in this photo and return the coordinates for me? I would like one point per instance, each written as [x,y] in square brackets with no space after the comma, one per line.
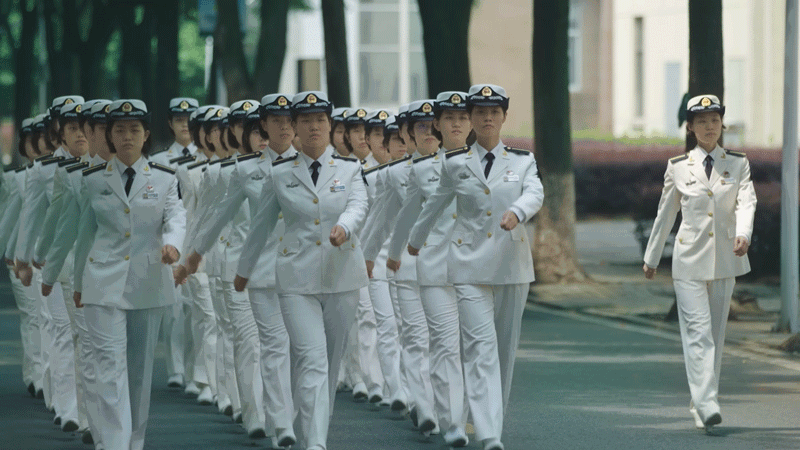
[46,289]
[240,283]
[392,265]
[179,273]
[76,297]
[740,246]
[649,272]
[509,221]
[193,262]
[338,236]
[370,266]
[413,251]
[169,254]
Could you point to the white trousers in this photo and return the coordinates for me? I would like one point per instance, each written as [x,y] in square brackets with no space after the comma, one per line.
[387,339]
[124,343]
[491,320]
[227,389]
[275,360]
[367,350]
[27,299]
[350,371]
[204,332]
[317,327]
[172,331]
[447,377]
[62,354]
[246,356]
[84,371]
[703,314]
[415,348]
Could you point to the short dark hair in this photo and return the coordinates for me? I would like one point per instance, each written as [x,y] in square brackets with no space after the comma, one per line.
[347,128]
[35,136]
[335,124]
[388,137]
[232,141]
[21,148]
[51,135]
[249,127]
[145,147]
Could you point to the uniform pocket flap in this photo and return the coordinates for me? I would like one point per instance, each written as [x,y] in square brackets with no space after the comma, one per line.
[99,256]
[462,238]
[519,233]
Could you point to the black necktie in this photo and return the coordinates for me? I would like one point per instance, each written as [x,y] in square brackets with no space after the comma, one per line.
[709,164]
[279,158]
[315,171]
[130,173]
[489,161]
[185,151]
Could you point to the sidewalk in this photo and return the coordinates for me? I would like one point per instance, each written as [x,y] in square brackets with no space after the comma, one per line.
[610,254]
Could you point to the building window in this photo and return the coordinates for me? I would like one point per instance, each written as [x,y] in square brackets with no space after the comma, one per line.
[387,53]
[575,47]
[638,61]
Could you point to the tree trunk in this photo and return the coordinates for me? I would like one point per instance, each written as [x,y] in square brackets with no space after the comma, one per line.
[24,64]
[706,74]
[228,39]
[554,252]
[166,67]
[271,45]
[93,50]
[445,33]
[336,64]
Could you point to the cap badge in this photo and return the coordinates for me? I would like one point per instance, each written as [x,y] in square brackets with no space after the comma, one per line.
[247,106]
[705,102]
[486,91]
[219,113]
[127,107]
[426,108]
[383,115]
[78,109]
[184,105]
[311,99]
[282,101]
[361,113]
[455,99]
[68,101]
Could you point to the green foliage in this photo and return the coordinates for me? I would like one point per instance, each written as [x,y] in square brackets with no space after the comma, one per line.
[191,58]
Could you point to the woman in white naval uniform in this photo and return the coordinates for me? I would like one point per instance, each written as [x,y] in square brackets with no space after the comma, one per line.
[131,227]
[496,188]
[337,133]
[320,267]
[713,190]
[451,126]
[245,190]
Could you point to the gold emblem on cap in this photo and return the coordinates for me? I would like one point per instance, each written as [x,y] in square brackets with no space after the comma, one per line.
[282,101]
[68,101]
[107,108]
[78,109]
[219,113]
[311,99]
[455,99]
[382,115]
[247,106]
[486,91]
[361,113]
[705,101]
[127,107]
[426,108]
[184,105]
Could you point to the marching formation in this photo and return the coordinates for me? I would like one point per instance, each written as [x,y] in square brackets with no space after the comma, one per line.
[285,250]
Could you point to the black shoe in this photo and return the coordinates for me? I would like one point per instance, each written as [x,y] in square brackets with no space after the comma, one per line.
[87,438]
[398,406]
[375,398]
[286,441]
[69,427]
[40,394]
[32,390]
[57,421]
[258,433]
[414,418]
[238,419]
[359,397]
[228,411]
[427,426]
[714,419]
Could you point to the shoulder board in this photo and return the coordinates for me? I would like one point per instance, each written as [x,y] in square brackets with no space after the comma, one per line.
[344,158]
[80,165]
[249,156]
[181,158]
[423,158]
[403,159]
[218,161]
[160,167]
[197,164]
[457,151]
[9,169]
[159,151]
[517,151]
[227,163]
[187,159]
[376,168]
[69,162]
[678,159]
[21,168]
[43,158]
[52,160]
[284,160]
[94,169]
[736,154]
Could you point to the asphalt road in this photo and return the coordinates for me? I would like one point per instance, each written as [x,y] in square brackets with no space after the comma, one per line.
[580,383]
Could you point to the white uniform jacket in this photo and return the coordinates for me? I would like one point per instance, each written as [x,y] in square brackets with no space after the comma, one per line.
[12,207]
[239,225]
[307,262]
[37,196]
[210,192]
[432,259]
[480,251]
[189,177]
[118,250]
[714,210]
[174,151]
[375,176]
[20,175]
[247,184]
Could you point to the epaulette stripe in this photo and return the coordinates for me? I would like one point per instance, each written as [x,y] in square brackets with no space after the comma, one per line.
[456,152]
[218,161]
[197,164]
[737,154]
[42,158]
[52,160]
[68,162]
[181,158]
[94,169]
[160,167]
[248,156]
[518,151]
[227,163]
[678,158]
[423,158]
[345,158]
[403,159]
[30,165]
[281,161]
[188,160]
[9,169]
[20,169]
[75,167]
